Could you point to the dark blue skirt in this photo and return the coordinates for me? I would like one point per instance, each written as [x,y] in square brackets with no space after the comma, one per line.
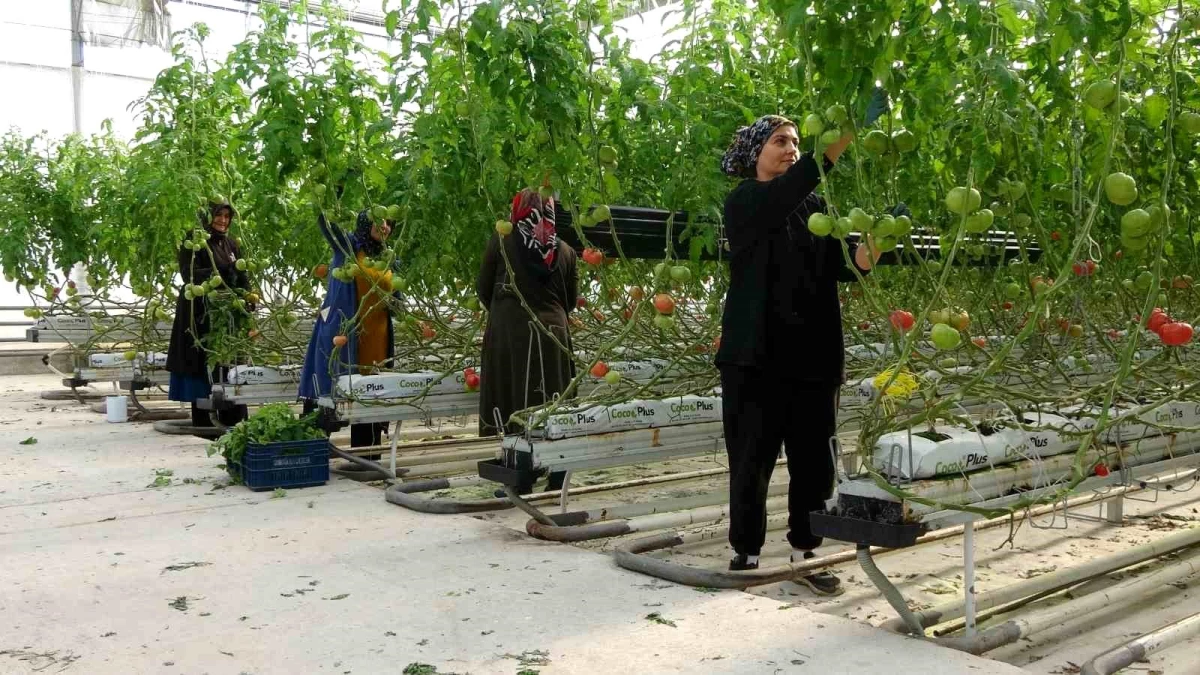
[188,388]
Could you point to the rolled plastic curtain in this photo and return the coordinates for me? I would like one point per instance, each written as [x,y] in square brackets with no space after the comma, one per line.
[124,23]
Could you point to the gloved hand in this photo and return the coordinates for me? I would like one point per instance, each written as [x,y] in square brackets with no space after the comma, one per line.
[900,209]
[877,106]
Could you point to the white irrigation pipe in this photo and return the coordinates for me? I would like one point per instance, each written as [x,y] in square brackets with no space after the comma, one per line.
[1137,650]
[1015,629]
[1055,580]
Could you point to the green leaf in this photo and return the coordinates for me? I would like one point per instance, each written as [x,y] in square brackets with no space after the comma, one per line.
[1154,107]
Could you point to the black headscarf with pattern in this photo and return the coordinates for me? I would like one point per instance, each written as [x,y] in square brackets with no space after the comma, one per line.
[742,156]
[362,233]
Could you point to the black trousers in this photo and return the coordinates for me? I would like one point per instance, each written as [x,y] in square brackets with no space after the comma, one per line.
[361,435]
[760,411]
[229,417]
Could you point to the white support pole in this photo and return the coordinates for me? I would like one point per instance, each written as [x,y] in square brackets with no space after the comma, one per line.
[562,499]
[969,576]
[395,442]
[78,273]
[1115,510]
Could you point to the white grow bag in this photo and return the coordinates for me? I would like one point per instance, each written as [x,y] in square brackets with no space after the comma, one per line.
[638,414]
[967,450]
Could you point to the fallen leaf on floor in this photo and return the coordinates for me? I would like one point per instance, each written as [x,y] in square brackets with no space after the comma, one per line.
[658,618]
[341,596]
[179,603]
[1036,572]
[29,441]
[183,566]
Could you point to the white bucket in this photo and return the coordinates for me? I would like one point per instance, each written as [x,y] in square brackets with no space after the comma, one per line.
[118,408]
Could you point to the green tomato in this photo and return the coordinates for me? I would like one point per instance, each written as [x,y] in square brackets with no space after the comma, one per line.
[612,377]
[886,244]
[681,273]
[935,266]
[843,227]
[664,321]
[1120,188]
[1143,281]
[963,201]
[820,224]
[813,125]
[861,220]
[1136,223]
[1100,95]
[876,142]
[885,227]
[608,155]
[831,136]
[903,226]
[980,221]
[1012,290]
[836,114]
[661,270]
[945,337]
[241,264]
[904,140]
[1189,122]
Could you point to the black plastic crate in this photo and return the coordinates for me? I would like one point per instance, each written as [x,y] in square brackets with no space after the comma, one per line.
[286,464]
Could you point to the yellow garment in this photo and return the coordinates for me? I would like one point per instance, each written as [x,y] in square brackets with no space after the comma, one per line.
[373,287]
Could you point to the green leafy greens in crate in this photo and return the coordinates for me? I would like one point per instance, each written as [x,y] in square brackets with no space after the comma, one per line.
[271,423]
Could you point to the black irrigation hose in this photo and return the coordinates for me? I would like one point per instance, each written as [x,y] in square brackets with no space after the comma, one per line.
[184,427]
[406,495]
[370,466]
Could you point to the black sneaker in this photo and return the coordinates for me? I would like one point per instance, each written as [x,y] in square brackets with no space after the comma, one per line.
[741,563]
[821,583]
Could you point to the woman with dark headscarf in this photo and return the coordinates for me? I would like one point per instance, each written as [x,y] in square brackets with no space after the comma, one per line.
[369,339]
[781,353]
[186,357]
[521,366]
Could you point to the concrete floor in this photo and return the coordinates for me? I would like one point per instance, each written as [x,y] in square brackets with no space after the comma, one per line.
[103,572]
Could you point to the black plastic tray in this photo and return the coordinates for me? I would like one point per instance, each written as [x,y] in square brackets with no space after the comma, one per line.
[858,531]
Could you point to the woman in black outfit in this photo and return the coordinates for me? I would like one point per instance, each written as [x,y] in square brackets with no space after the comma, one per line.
[187,361]
[545,275]
[781,353]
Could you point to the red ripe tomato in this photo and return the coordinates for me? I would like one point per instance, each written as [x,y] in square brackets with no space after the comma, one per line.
[597,315]
[340,340]
[627,314]
[865,325]
[1007,305]
[979,342]
[664,303]
[901,320]
[1056,235]
[599,370]
[427,331]
[472,381]
[1176,334]
[581,302]
[1118,255]
[1113,334]
[1158,319]
[593,256]
[1085,268]
[1101,470]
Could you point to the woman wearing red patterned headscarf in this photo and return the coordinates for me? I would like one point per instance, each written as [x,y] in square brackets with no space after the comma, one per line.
[521,365]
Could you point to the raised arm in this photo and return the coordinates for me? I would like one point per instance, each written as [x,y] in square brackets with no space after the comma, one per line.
[571,279]
[485,283]
[195,266]
[782,195]
[333,234]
